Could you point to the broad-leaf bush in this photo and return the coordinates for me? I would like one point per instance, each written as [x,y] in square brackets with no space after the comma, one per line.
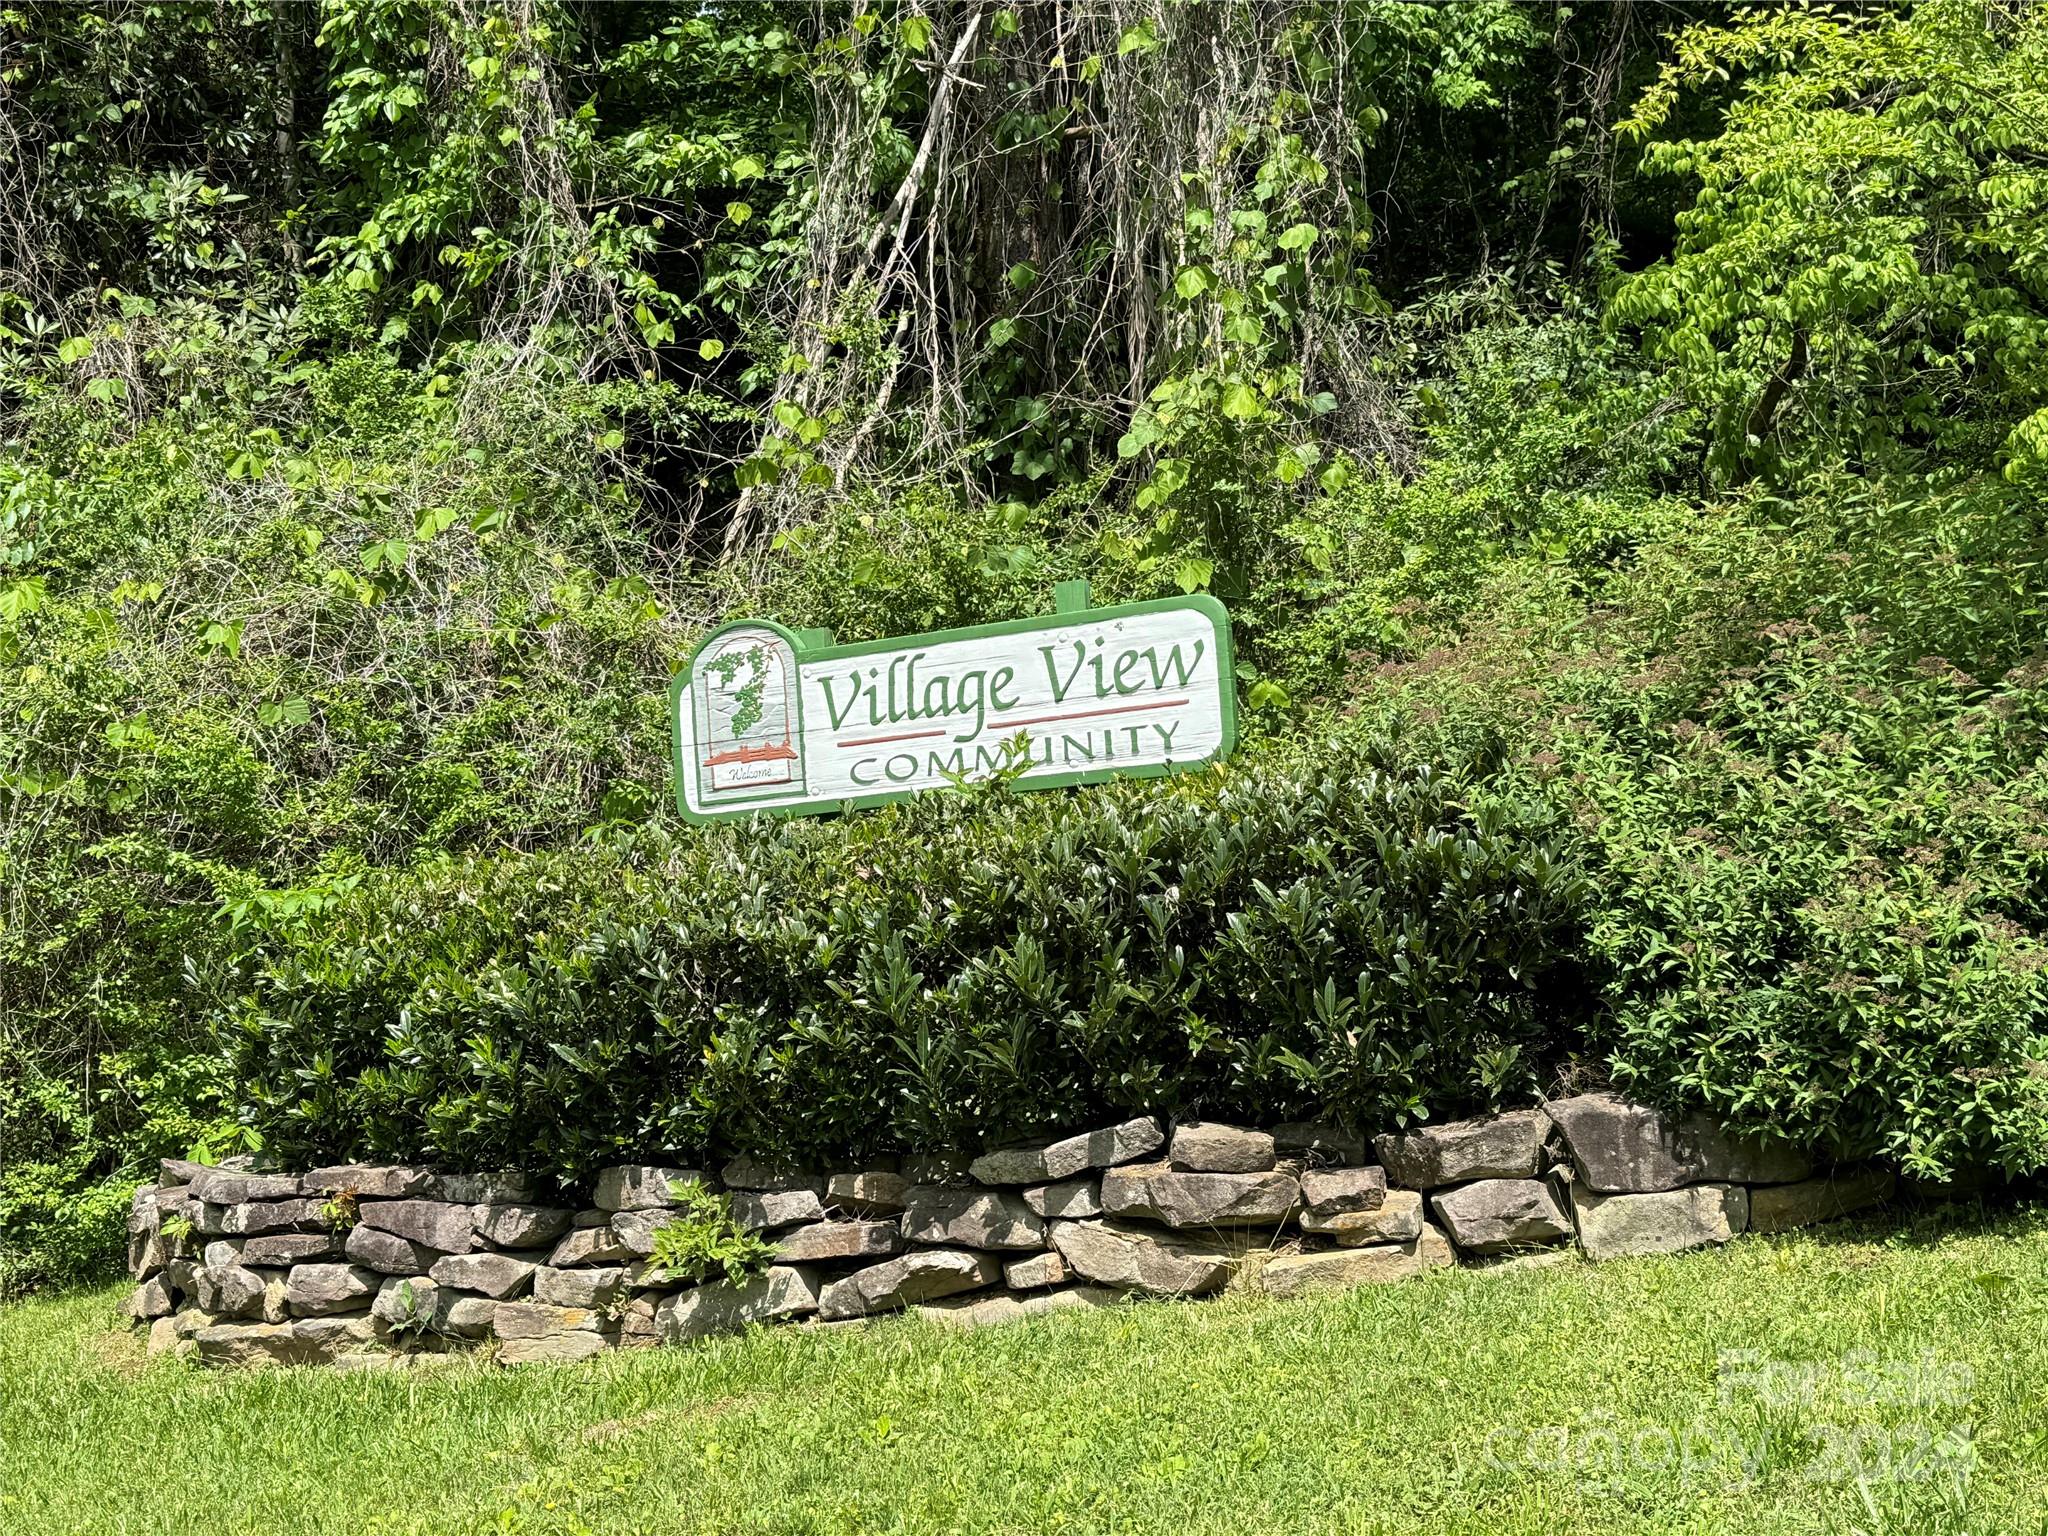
[1349,933]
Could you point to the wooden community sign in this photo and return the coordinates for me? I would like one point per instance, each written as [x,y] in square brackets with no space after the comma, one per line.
[784,722]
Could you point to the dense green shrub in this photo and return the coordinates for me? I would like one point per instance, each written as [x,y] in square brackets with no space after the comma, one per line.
[1380,940]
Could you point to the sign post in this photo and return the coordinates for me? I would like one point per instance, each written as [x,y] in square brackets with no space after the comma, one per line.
[770,720]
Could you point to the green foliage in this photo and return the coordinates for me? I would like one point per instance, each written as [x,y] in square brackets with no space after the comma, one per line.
[1385,940]
[704,1239]
[1864,267]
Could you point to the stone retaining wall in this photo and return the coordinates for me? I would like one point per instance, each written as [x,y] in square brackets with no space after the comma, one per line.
[370,1265]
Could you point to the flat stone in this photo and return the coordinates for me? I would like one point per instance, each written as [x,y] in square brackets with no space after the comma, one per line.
[533,1320]
[867,1194]
[1667,1221]
[276,1249]
[1295,1273]
[208,1220]
[1049,1162]
[1037,1272]
[495,1275]
[767,1211]
[190,1321]
[222,1252]
[1154,1192]
[163,1337]
[590,1288]
[436,1223]
[321,1290]
[720,1306]
[1068,1200]
[642,1187]
[457,1316]
[636,1323]
[986,1311]
[276,1307]
[554,1348]
[1496,1147]
[1133,1259]
[481,1188]
[1340,1190]
[1491,1215]
[387,1252]
[329,1338]
[145,1252]
[1781,1207]
[971,1218]
[766,1176]
[373,1181]
[1320,1144]
[518,1225]
[249,1345]
[219,1186]
[274,1216]
[151,1300]
[1206,1146]
[229,1290]
[635,1231]
[1397,1221]
[926,1275]
[824,1241]
[589,1245]
[174,1171]
[1621,1147]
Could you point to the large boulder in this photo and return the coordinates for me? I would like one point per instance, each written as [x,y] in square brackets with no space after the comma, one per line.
[1781,1207]
[583,1245]
[1068,1200]
[519,1225]
[151,1300]
[368,1181]
[1155,1192]
[1206,1146]
[222,1186]
[146,1252]
[1662,1221]
[1134,1259]
[229,1290]
[280,1249]
[1035,1272]
[1050,1162]
[437,1224]
[1338,1190]
[1496,1147]
[923,1276]
[1398,1220]
[971,1218]
[639,1187]
[1492,1215]
[322,1290]
[770,1209]
[1295,1273]
[387,1252]
[496,1275]
[1621,1147]
[595,1288]
[721,1306]
[824,1241]
[264,1216]
[534,1319]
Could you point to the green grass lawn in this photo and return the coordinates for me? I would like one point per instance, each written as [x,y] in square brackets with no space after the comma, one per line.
[1565,1399]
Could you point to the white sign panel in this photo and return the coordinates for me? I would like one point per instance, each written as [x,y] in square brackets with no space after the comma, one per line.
[765,723]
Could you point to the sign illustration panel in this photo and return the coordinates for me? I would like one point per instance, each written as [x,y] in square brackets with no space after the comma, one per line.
[765,720]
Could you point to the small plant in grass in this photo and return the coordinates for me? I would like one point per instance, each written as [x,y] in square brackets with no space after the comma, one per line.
[704,1238]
